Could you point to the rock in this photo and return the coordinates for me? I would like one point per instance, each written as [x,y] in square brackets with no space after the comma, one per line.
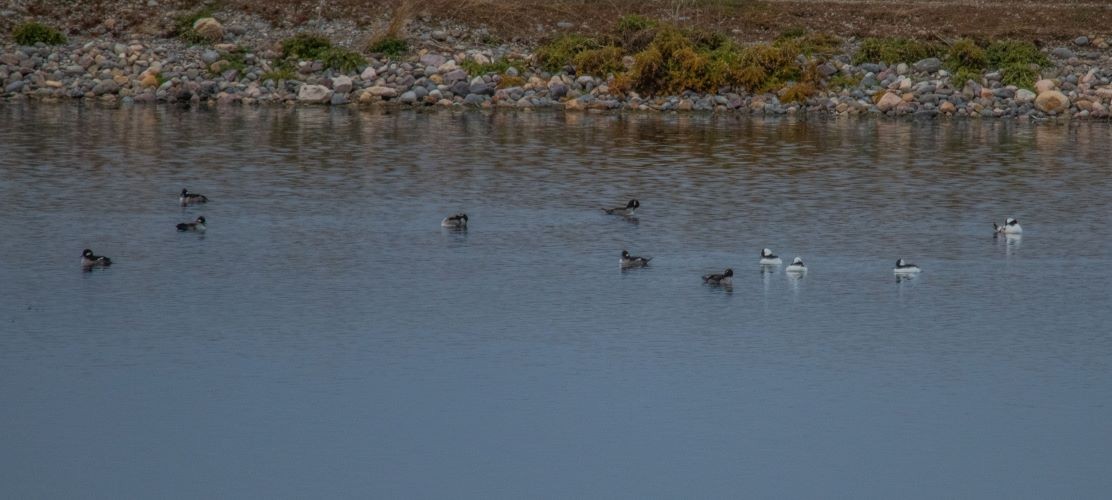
[575,105]
[106,87]
[440,35]
[946,107]
[341,84]
[368,75]
[478,86]
[338,99]
[1024,95]
[901,69]
[1052,101]
[928,65]
[557,90]
[316,94]
[15,86]
[219,66]
[455,76]
[1062,53]
[685,105]
[210,56]
[434,60]
[473,100]
[408,97]
[1081,41]
[209,28]
[888,101]
[381,91]
[565,25]
[1045,85]
[148,80]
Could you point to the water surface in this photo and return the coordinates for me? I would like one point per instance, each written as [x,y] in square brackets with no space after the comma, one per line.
[326,338]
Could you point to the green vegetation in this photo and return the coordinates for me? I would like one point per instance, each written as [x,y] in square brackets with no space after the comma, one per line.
[634,23]
[1018,61]
[309,46]
[843,81]
[508,81]
[183,24]
[499,66]
[388,45]
[31,33]
[554,55]
[278,74]
[602,62]
[895,50]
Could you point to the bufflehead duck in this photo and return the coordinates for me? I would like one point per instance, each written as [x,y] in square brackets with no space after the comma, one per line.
[720,279]
[458,221]
[89,260]
[1011,226]
[626,210]
[628,260]
[905,267]
[197,225]
[797,266]
[188,198]
[769,259]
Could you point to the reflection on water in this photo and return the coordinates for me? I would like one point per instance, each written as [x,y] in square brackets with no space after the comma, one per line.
[325,337]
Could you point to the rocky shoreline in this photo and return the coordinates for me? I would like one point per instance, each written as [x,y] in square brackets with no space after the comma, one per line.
[236,70]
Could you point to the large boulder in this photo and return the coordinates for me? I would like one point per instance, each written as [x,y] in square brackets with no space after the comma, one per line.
[1052,102]
[928,65]
[209,28]
[341,84]
[888,101]
[314,94]
[1024,95]
[381,91]
[1045,85]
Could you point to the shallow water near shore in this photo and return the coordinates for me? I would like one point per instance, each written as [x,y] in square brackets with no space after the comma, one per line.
[326,338]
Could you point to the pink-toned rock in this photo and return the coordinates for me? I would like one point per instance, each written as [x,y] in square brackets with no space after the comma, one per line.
[1044,85]
[209,28]
[888,101]
[1052,101]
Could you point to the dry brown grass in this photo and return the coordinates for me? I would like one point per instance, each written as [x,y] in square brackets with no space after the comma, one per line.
[745,20]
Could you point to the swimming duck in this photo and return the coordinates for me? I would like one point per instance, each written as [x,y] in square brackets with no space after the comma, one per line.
[769,259]
[1011,226]
[905,267]
[188,198]
[89,260]
[797,266]
[458,221]
[628,260]
[626,210]
[197,225]
[720,279]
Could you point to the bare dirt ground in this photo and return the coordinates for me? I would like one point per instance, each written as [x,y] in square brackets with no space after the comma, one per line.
[531,20]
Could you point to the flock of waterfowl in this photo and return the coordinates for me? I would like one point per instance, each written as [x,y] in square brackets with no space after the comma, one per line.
[459,222]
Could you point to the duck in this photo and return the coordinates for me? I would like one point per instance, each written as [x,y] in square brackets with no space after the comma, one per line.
[457,221]
[719,279]
[197,225]
[626,211]
[769,259]
[88,260]
[797,266]
[1011,226]
[188,198]
[903,267]
[628,260]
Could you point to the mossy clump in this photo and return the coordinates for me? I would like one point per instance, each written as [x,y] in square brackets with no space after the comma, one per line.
[305,46]
[183,24]
[507,81]
[278,74]
[1008,52]
[311,46]
[342,59]
[798,92]
[476,68]
[392,46]
[1020,75]
[843,81]
[895,50]
[601,62]
[561,51]
[633,23]
[32,32]
[965,53]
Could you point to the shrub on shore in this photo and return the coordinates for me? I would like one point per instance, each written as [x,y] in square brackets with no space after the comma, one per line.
[388,45]
[30,33]
[183,24]
[310,46]
[895,50]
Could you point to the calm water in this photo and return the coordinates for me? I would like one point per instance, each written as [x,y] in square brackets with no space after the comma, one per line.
[326,338]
